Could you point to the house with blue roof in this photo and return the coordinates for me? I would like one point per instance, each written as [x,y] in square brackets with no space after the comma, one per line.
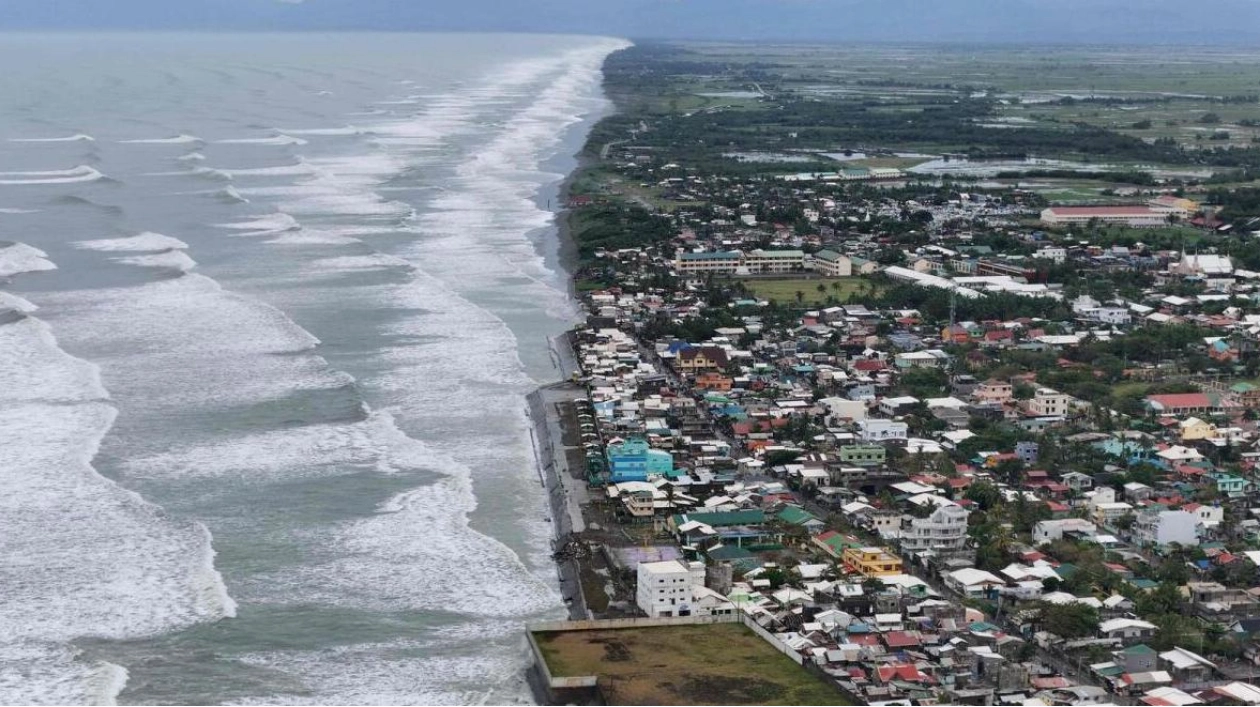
[634,460]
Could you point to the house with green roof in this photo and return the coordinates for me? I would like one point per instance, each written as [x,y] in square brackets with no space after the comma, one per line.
[834,544]
[1138,658]
[795,515]
[832,264]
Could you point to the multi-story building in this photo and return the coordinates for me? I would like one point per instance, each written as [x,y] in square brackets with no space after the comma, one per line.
[1050,530]
[634,460]
[669,588]
[943,533]
[702,358]
[882,430]
[1163,527]
[1048,403]
[871,561]
[863,454]
[1132,216]
[832,264]
[994,391]
[699,263]
[774,261]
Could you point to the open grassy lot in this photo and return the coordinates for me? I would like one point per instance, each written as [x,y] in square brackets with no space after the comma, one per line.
[784,291]
[676,665]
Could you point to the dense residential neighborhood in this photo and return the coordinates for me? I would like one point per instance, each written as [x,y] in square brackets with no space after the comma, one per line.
[970,426]
[964,454]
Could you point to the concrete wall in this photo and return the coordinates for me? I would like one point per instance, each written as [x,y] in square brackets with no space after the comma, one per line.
[769,638]
[637,622]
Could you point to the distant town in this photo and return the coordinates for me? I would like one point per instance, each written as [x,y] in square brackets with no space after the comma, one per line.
[936,436]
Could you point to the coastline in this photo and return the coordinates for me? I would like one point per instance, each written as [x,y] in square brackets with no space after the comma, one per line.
[566,493]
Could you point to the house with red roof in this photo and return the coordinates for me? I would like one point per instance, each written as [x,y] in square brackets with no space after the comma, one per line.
[1181,403]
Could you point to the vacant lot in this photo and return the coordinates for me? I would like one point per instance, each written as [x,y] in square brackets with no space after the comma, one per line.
[684,665]
[835,289]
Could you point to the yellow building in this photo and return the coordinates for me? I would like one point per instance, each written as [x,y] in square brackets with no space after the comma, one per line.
[1195,429]
[872,561]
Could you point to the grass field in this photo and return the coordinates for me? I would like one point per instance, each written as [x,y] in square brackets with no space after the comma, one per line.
[692,665]
[784,291]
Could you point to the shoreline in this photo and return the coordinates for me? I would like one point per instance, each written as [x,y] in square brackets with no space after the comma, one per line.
[566,494]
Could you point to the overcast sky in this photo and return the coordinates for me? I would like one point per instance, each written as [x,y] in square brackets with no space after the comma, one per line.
[1101,21]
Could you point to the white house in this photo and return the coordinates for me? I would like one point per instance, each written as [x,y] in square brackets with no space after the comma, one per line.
[972,582]
[1166,528]
[882,430]
[1048,403]
[943,532]
[1126,629]
[667,588]
[893,405]
[1050,530]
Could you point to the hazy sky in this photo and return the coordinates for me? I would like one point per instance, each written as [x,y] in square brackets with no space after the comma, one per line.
[1100,21]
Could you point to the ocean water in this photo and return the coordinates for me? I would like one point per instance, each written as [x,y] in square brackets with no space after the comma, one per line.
[269,309]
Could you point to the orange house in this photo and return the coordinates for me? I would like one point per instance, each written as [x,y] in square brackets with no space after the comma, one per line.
[713,381]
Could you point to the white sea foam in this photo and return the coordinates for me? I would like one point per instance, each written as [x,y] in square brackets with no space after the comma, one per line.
[36,369]
[82,173]
[17,258]
[141,243]
[16,304]
[192,157]
[185,344]
[292,170]
[176,140]
[347,263]
[275,140]
[231,194]
[69,138]
[171,259]
[18,211]
[271,223]
[330,132]
[393,674]
[83,556]
[50,674]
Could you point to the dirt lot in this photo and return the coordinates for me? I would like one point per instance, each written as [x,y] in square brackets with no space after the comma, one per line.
[685,665]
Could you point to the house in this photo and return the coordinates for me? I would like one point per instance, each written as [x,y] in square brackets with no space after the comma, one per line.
[1162,527]
[1126,630]
[774,261]
[1138,658]
[834,544]
[713,381]
[882,430]
[894,406]
[832,264]
[634,460]
[863,454]
[674,588]
[973,583]
[799,517]
[721,262]
[1192,429]
[1104,509]
[1077,481]
[1049,530]
[994,391]
[1048,403]
[664,588]
[1186,666]
[944,532]
[871,561]
[1180,403]
[702,358]
[1139,216]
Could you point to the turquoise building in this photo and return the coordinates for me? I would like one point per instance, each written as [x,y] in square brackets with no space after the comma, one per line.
[634,460]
